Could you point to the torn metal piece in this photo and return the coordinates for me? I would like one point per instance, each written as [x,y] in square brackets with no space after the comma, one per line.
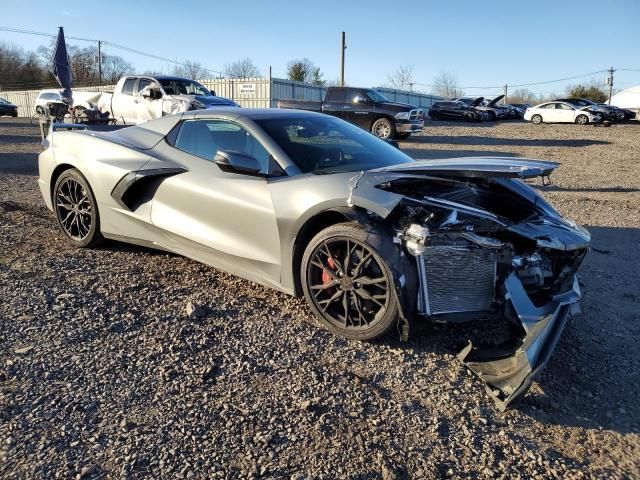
[353,184]
[509,370]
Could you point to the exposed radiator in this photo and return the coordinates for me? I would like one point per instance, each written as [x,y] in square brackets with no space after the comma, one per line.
[458,279]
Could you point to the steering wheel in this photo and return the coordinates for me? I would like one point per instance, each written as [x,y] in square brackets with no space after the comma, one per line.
[330,157]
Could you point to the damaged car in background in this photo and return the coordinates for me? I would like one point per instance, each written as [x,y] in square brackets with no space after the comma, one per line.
[313,206]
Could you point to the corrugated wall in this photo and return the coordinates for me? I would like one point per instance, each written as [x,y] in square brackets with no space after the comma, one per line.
[247,92]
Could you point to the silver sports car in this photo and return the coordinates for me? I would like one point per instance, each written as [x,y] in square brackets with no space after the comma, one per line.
[312,205]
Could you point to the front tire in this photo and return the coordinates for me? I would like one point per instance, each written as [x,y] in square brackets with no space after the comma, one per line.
[536,119]
[582,120]
[383,128]
[76,209]
[348,284]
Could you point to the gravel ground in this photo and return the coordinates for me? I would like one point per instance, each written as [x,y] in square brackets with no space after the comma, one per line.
[103,374]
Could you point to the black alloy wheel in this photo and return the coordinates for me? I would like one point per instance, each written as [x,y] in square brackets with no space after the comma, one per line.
[348,284]
[76,209]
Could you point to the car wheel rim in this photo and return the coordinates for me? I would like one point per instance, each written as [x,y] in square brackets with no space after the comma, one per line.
[73,208]
[347,284]
[382,130]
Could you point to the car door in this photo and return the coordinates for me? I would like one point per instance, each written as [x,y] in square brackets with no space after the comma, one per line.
[334,103]
[550,113]
[145,108]
[217,216]
[358,108]
[123,103]
[566,113]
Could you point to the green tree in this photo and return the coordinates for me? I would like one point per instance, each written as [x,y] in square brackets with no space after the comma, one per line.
[592,92]
[304,70]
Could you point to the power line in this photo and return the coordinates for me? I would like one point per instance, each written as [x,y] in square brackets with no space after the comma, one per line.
[104,42]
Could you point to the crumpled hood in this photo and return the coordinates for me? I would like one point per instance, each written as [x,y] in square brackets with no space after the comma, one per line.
[208,100]
[477,167]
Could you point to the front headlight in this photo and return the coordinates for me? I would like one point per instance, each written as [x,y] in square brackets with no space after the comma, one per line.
[403,116]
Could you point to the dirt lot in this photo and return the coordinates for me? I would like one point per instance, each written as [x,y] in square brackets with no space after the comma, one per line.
[102,375]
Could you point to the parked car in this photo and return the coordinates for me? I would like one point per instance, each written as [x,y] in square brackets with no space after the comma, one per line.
[367,108]
[520,108]
[454,110]
[608,112]
[313,206]
[495,111]
[561,112]
[8,108]
[82,99]
[140,98]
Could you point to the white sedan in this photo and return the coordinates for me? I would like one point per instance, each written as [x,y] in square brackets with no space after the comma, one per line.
[561,112]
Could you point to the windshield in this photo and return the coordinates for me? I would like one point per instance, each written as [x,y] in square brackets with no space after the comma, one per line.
[376,96]
[3,101]
[330,145]
[180,86]
[580,102]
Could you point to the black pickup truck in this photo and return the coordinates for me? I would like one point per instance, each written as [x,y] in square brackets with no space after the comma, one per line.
[366,108]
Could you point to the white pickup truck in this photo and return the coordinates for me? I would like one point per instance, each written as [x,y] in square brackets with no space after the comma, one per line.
[140,98]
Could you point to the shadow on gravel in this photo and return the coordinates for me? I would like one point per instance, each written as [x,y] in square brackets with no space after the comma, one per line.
[18,139]
[556,188]
[511,142]
[26,163]
[424,154]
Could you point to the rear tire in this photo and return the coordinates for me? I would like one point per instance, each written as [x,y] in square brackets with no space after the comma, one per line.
[348,284]
[76,209]
[582,120]
[383,128]
[536,119]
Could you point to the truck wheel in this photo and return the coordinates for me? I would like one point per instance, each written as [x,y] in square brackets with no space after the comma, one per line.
[383,128]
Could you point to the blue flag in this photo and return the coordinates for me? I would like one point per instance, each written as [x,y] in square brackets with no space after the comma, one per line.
[61,68]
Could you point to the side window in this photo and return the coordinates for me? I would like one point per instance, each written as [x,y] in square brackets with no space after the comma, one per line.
[204,138]
[350,95]
[127,88]
[565,107]
[143,82]
[336,95]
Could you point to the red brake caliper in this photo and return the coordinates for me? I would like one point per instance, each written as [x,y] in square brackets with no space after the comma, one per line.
[326,278]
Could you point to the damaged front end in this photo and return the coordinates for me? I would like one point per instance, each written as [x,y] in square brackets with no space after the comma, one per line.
[486,245]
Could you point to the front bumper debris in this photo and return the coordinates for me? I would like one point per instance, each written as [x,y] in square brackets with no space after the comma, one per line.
[509,370]
[409,126]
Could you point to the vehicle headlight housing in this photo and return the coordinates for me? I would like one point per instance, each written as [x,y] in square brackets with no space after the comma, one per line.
[198,105]
[402,116]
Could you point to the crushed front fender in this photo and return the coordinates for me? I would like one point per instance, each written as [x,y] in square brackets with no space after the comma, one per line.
[509,370]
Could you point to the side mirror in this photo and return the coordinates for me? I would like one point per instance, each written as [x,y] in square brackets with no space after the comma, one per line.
[360,99]
[236,162]
[156,94]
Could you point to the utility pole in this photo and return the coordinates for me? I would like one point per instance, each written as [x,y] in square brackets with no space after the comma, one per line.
[342,49]
[506,92]
[99,63]
[610,83]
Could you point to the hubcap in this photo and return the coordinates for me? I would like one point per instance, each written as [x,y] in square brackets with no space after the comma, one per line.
[347,283]
[74,209]
[382,129]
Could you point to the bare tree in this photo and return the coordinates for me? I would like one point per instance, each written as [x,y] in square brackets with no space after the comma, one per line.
[190,69]
[304,70]
[446,85]
[114,67]
[244,68]
[402,78]
[523,95]
[317,77]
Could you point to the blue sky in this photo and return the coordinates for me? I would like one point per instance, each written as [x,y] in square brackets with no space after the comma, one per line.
[482,42]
